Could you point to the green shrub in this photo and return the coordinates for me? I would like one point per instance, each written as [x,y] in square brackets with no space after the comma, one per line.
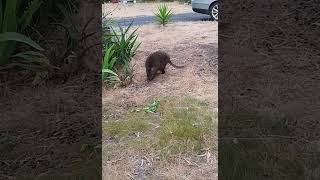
[119,48]
[164,14]
[14,18]
[125,43]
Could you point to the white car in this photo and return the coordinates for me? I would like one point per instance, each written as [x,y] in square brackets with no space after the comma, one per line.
[209,7]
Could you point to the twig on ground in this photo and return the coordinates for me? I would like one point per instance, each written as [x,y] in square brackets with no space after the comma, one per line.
[191,163]
[130,176]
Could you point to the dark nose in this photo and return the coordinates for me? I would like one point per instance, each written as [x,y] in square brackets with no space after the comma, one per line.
[150,78]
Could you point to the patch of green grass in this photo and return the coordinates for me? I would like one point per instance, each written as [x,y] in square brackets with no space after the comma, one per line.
[188,126]
[141,144]
[133,122]
[176,126]
[123,128]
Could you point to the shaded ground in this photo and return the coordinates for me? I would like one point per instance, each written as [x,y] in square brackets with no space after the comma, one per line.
[269,67]
[43,128]
[36,138]
[159,145]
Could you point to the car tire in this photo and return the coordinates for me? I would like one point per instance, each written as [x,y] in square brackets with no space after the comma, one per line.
[213,11]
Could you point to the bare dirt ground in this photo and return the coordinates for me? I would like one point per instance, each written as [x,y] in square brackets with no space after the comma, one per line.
[140,9]
[193,44]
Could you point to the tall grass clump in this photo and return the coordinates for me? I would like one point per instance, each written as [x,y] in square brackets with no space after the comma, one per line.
[163,15]
[23,21]
[15,17]
[120,46]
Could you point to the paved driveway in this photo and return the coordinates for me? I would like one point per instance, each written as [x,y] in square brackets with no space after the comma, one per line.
[182,17]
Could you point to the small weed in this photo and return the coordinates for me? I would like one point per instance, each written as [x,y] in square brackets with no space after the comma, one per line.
[151,108]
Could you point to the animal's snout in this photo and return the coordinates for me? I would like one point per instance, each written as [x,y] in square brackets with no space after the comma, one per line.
[150,77]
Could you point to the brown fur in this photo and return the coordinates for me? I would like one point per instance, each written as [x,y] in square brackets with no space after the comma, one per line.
[157,61]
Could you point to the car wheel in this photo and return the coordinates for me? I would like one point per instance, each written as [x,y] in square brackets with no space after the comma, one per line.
[213,9]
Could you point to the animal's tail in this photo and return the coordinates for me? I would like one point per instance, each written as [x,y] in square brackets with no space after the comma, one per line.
[175,65]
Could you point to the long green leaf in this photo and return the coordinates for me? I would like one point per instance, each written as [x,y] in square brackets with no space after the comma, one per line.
[9,22]
[114,76]
[109,71]
[28,14]
[108,55]
[12,36]
[27,66]
[6,49]
[32,57]
[1,15]
[33,53]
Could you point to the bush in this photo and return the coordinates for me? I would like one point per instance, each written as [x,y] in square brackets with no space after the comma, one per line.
[119,49]
[14,18]
[24,20]
[164,14]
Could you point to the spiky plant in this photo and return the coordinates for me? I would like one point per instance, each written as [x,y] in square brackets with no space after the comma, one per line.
[163,15]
